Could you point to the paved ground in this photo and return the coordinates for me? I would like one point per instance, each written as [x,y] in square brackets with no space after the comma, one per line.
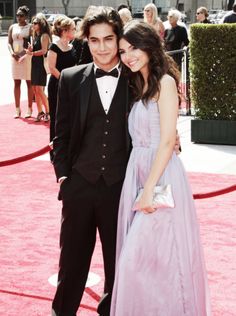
[196,157]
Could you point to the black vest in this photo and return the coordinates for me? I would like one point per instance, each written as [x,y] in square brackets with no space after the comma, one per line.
[103,147]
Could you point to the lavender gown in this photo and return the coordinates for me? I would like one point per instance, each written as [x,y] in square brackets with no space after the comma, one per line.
[160,265]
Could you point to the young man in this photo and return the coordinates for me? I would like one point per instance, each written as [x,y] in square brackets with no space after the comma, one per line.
[91,151]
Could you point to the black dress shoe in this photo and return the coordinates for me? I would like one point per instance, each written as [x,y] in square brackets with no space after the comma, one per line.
[104,305]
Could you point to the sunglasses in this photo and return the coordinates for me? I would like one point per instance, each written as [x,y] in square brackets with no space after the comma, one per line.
[199,13]
[20,15]
[35,22]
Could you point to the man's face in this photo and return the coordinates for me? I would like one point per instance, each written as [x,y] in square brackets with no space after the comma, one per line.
[103,46]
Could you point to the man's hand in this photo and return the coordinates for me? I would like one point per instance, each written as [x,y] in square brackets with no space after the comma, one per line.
[177,147]
[60,180]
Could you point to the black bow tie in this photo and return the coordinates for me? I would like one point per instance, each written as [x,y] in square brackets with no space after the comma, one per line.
[101,73]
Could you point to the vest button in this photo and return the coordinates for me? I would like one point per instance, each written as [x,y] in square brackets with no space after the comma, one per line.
[102,168]
[104,145]
[106,133]
[108,121]
[103,156]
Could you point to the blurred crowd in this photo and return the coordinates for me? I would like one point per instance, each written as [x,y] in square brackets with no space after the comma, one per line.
[48,44]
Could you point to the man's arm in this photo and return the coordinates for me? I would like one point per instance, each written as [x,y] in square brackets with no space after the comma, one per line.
[185,36]
[62,130]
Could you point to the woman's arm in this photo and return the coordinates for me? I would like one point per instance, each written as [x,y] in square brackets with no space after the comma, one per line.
[52,60]
[10,44]
[168,108]
[45,40]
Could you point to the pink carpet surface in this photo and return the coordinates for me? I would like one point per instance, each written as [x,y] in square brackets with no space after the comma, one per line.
[30,227]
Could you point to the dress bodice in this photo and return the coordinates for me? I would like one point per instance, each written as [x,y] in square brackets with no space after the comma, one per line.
[144,124]
[19,33]
[65,59]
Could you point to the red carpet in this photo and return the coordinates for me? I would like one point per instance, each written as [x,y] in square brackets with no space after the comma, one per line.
[30,222]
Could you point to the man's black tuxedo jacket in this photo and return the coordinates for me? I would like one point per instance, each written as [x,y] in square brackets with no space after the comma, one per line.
[73,102]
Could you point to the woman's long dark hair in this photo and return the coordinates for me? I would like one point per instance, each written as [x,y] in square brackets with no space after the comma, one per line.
[44,26]
[141,35]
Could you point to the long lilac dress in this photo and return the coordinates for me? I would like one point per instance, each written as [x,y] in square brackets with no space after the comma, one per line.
[160,265]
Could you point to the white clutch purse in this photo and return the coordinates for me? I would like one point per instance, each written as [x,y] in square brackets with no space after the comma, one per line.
[162,197]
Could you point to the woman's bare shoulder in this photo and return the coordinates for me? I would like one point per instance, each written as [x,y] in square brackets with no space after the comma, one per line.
[167,80]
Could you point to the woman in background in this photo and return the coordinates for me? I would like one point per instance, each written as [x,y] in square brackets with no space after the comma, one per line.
[202,15]
[151,17]
[18,38]
[160,266]
[39,49]
[61,55]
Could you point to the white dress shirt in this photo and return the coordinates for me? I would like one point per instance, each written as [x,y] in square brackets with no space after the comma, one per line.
[107,87]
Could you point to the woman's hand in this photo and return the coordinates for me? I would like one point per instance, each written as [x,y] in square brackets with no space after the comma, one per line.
[145,203]
[28,52]
[30,47]
[15,56]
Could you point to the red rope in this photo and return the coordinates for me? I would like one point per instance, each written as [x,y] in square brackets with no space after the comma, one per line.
[94,295]
[35,154]
[47,148]
[214,193]
[42,298]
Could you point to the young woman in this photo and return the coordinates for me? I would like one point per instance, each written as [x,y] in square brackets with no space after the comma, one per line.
[61,55]
[18,37]
[160,266]
[38,49]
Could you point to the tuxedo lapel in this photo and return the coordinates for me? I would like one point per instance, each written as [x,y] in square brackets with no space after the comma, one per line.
[84,94]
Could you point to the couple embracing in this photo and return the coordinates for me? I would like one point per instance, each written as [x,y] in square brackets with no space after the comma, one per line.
[153,261]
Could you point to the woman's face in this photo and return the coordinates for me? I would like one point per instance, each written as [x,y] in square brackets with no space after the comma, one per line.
[36,25]
[148,13]
[20,17]
[70,33]
[134,58]
[200,16]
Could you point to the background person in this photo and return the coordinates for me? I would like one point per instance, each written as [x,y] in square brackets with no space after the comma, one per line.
[160,266]
[18,38]
[175,37]
[61,55]
[125,15]
[151,17]
[202,15]
[231,18]
[38,49]
[80,43]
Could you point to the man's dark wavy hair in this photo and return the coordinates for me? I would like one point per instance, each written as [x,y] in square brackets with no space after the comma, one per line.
[101,14]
